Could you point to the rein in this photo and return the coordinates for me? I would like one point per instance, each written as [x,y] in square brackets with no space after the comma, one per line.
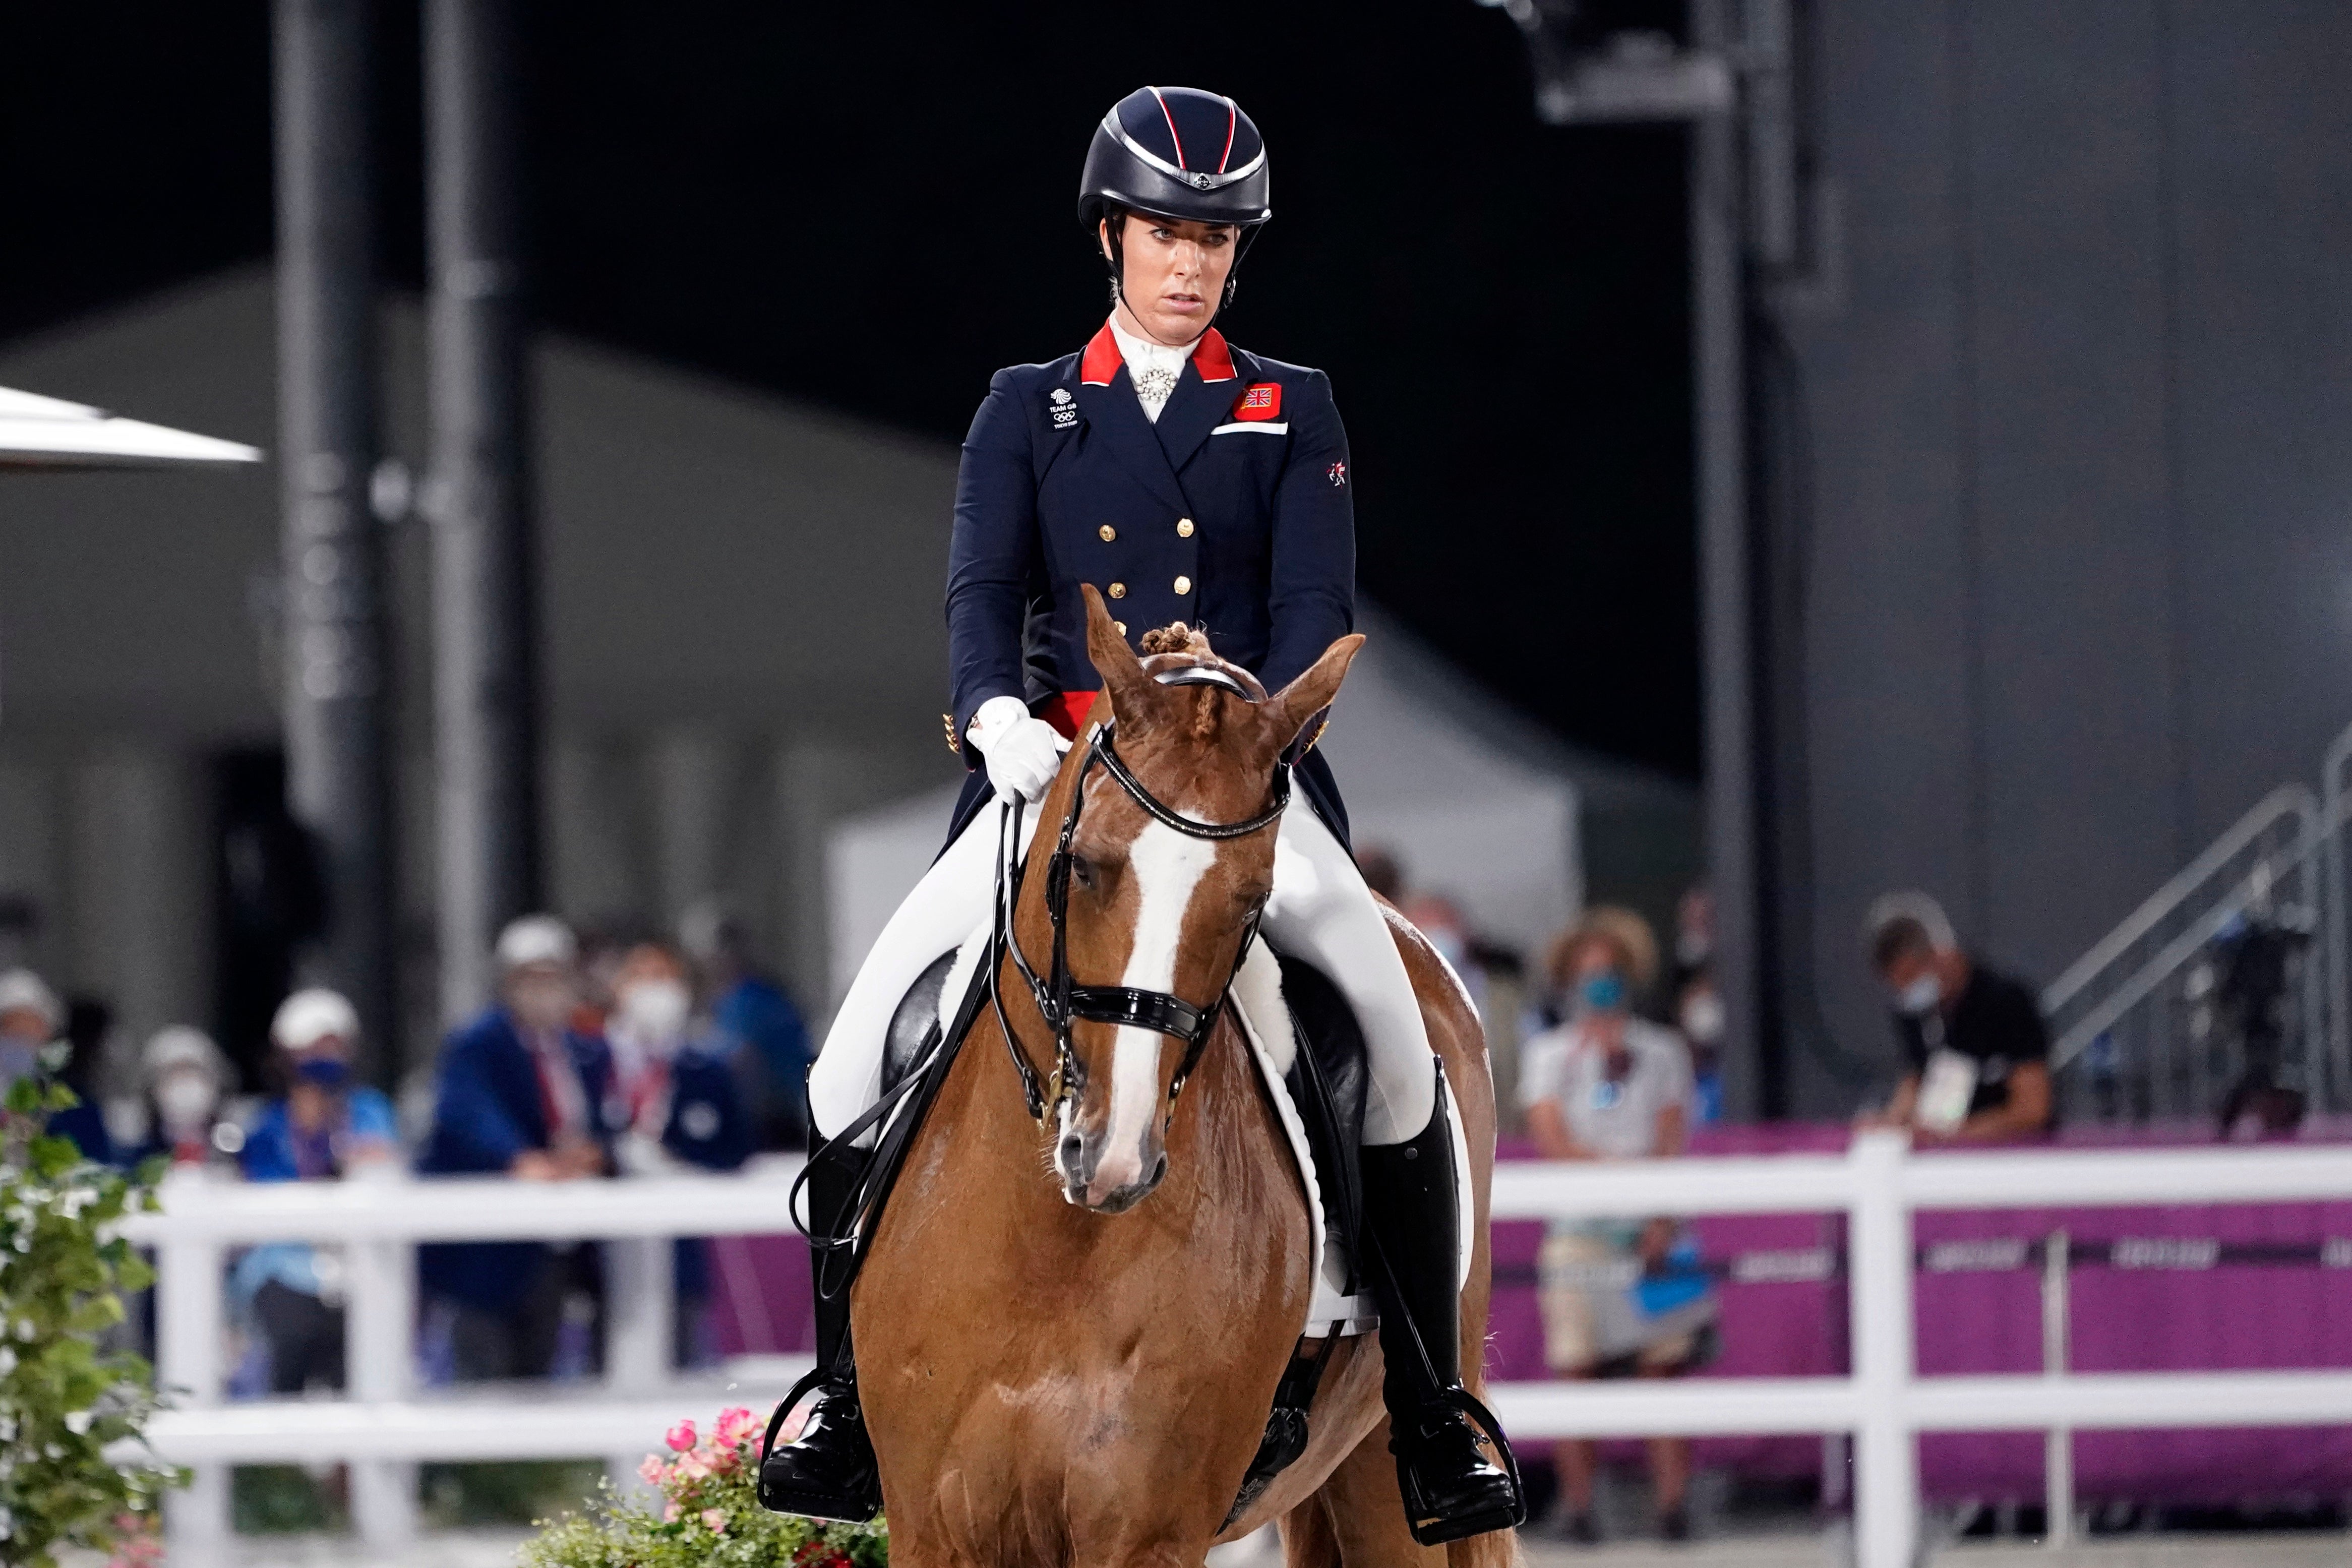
[1059,1000]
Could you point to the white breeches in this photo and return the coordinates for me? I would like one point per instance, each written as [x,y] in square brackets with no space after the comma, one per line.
[1321,912]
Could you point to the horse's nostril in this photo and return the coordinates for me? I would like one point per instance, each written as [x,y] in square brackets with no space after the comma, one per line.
[1160,1169]
[1072,1147]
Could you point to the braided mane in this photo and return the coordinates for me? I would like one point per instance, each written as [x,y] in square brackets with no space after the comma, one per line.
[1175,638]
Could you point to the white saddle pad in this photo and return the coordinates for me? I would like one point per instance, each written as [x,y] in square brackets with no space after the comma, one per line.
[1265,1018]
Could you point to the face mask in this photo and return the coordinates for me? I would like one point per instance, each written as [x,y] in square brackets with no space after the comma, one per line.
[185,1100]
[326,1072]
[1702,1018]
[1601,992]
[1918,999]
[656,1010]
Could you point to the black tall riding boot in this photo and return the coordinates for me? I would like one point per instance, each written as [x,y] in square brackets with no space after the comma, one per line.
[1452,1488]
[828,1472]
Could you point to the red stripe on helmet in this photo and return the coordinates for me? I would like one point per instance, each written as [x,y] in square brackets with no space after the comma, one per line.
[1233,118]
[1171,128]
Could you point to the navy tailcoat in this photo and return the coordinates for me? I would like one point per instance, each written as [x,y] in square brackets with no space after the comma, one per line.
[1234,512]
[486,1111]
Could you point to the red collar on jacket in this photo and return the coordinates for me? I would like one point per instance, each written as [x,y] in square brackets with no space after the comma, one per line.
[1211,358]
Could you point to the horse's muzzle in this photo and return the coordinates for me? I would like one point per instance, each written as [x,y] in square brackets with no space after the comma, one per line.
[1111,1185]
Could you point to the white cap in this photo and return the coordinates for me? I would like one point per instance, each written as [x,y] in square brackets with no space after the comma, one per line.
[1916,907]
[535,939]
[21,989]
[180,1046]
[309,1016]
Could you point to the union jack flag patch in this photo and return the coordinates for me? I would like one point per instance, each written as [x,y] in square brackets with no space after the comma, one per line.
[1336,473]
[1261,400]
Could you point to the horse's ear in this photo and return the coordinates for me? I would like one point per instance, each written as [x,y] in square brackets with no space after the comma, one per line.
[1122,673]
[1289,710]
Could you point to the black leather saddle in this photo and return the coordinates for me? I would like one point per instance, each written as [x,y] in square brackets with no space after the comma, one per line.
[915,1024]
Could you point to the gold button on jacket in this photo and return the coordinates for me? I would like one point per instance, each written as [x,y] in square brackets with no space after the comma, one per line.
[1108,532]
[1119,590]
[1184,585]
[1184,528]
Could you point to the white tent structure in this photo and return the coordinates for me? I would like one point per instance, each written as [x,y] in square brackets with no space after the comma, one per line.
[1475,807]
[38,432]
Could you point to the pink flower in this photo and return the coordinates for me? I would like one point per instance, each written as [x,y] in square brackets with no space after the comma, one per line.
[669,1514]
[652,1471]
[735,1424]
[714,1521]
[692,1466]
[680,1437]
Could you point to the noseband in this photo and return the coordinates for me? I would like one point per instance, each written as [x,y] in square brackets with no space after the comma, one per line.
[1060,1001]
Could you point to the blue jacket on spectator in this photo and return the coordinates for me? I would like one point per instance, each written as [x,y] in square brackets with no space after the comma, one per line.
[758,1012]
[487,1109]
[82,1123]
[269,1155]
[709,1126]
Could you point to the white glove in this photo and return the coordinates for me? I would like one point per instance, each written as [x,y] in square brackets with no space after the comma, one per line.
[1024,753]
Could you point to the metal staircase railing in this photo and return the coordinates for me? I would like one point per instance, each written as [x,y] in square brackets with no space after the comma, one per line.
[2137,1031]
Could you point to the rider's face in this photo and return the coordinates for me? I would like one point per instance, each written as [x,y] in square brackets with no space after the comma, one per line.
[1174,274]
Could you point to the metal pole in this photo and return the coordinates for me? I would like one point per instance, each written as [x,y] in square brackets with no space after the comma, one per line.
[2058,1443]
[1727,634]
[336,710]
[485,625]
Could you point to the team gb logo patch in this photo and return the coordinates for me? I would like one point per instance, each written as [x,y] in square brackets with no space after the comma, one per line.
[1059,404]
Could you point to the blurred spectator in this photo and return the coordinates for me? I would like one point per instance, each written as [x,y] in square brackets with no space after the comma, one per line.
[684,1104]
[1693,936]
[29,1020]
[519,1092]
[1698,1014]
[1976,1050]
[318,1128]
[89,1025]
[184,1080]
[1383,872]
[1697,1005]
[753,1013]
[1621,1297]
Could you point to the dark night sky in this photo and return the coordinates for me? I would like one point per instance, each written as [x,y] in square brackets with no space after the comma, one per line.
[870,207]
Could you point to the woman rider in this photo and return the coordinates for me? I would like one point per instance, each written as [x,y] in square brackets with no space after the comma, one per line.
[1190,482]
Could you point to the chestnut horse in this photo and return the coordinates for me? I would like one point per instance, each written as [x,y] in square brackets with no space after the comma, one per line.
[1050,1381]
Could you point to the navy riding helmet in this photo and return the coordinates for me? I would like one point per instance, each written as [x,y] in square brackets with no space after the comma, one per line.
[1176,151]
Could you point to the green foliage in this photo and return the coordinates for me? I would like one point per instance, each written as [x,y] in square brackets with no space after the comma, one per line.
[284,1500]
[707,1516]
[64,1398]
[506,1491]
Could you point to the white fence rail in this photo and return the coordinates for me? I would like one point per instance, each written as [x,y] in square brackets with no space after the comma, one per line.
[1882,1402]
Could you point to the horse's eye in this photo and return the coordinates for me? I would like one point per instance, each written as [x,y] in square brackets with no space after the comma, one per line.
[1082,871]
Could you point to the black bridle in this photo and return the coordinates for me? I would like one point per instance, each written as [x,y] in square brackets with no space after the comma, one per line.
[1060,1001]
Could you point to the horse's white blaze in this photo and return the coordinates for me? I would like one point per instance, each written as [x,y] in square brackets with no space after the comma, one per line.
[1167,867]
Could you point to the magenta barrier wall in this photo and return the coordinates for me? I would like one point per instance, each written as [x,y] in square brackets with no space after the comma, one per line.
[2225,1318]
